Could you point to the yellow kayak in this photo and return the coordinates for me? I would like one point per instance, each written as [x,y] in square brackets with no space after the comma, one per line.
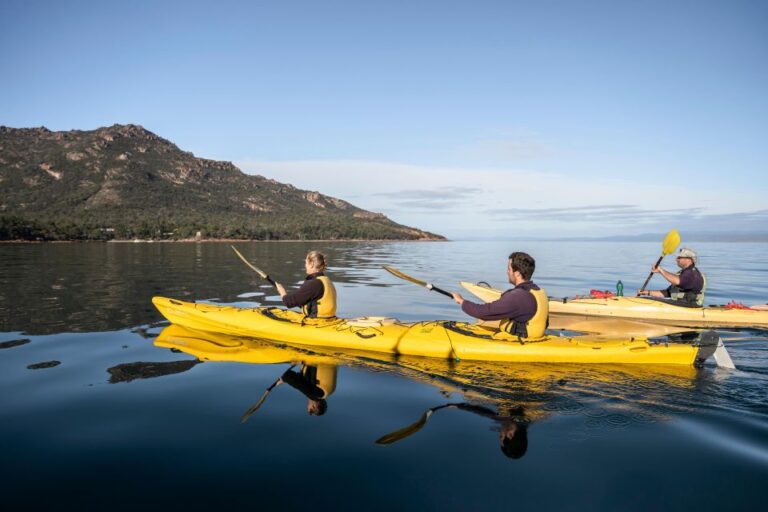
[641,308]
[439,339]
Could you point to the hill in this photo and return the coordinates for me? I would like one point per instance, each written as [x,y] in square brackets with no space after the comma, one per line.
[125,182]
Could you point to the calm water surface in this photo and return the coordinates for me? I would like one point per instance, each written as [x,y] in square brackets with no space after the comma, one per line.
[99,410]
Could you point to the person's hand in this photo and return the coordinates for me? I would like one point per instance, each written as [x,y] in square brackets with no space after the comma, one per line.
[643,292]
[458,298]
[281,289]
[655,269]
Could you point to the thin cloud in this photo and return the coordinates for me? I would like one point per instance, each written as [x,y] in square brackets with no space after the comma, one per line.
[429,200]
[443,193]
[508,145]
[434,205]
[613,214]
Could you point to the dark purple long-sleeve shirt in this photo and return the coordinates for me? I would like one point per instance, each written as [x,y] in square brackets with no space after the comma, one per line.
[310,290]
[517,304]
[691,280]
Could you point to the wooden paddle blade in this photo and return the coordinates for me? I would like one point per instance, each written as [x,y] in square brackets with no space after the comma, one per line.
[261,273]
[256,406]
[397,435]
[670,242]
[397,273]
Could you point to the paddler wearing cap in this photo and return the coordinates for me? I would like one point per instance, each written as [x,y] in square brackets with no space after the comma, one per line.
[687,286]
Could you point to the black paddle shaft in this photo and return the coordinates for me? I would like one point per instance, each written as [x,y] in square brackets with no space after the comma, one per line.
[651,274]
[440,290]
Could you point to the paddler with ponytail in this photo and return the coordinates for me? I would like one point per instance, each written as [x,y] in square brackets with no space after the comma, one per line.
[522,310]
[316,296]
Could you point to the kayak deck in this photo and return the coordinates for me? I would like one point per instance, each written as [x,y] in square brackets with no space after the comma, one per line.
[438,339]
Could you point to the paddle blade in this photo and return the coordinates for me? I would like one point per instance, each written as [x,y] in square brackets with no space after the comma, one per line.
[397,273]
[671,242]
[255,407]
[261,273]
[397,435]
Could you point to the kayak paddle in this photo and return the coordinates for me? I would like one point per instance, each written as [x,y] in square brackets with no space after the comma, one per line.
[261,273]
[671,241]
[428,286]
[256,406]
[404,432]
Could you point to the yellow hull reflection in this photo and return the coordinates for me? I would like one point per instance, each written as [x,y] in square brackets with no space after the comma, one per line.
[438,339]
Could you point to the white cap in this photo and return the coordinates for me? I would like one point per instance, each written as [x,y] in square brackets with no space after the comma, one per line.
[685,252]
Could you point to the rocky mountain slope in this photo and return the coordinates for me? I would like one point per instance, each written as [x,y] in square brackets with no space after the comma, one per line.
[124,182]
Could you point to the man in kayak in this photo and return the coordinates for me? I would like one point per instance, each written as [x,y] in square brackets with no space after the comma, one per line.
[316,296]
[687,286]
[523,310]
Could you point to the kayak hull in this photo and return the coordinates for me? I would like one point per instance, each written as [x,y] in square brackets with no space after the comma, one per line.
[639,308]
[437,339]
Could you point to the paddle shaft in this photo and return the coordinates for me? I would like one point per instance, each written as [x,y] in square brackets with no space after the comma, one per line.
[261,273]
[651,274]
[439,290]
[429,286]
[255,407]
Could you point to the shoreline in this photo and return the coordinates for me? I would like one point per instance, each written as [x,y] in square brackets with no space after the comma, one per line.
[217,240]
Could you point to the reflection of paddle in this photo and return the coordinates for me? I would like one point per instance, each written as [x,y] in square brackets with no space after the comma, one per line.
[256,406]
[671,241]
[261,273]
[428,286]
[397,435]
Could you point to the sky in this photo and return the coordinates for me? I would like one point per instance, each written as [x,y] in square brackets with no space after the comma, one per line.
[472,119]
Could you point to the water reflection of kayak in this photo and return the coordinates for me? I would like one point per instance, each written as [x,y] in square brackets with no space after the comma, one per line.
[439,339]
[640,308]
[520,393]
[475,379]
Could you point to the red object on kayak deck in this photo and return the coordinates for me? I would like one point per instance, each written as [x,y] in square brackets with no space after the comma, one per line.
[600,294]
[736,305]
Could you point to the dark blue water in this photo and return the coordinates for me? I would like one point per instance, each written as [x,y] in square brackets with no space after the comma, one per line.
[94,414]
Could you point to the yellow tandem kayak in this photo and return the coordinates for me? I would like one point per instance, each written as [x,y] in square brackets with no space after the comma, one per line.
[439,339]
[641,308]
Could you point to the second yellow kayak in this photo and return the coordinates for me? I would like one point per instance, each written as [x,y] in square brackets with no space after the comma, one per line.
[439,339]
[640,308]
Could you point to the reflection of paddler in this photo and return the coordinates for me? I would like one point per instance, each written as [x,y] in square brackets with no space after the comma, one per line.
[513,426]
[317,383]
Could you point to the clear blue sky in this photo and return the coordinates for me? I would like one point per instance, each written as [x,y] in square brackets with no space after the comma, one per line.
[467,118]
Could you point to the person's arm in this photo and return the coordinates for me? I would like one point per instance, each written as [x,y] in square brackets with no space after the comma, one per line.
[652,293]
[669,276]
[309,290]
[510,305]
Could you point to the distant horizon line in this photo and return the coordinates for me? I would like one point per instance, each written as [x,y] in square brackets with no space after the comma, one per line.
[728,238]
